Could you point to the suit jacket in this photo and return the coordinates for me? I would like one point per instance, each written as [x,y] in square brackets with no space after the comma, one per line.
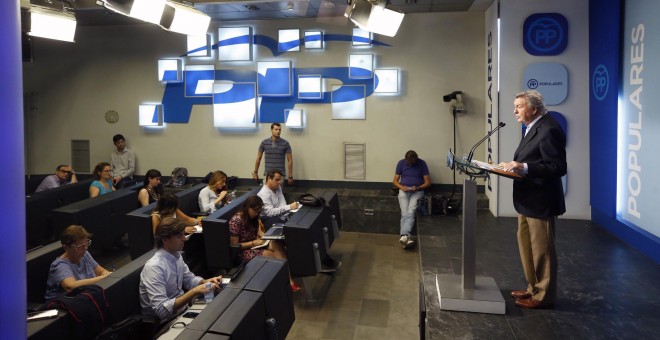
[540,194]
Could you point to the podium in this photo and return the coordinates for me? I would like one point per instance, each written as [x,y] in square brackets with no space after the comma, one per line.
[468,292]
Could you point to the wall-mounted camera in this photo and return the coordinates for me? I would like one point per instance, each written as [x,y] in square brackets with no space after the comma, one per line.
[448,97]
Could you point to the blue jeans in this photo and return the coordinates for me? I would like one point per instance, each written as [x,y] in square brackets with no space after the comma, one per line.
[408,204]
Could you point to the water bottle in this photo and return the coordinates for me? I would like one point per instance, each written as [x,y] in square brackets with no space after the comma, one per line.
[208,294]
[231,196]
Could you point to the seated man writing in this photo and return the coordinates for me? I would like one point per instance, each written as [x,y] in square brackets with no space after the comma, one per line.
[276,210]
[167,286]
[64,175]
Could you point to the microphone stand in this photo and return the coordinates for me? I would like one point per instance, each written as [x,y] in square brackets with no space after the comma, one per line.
[474,148]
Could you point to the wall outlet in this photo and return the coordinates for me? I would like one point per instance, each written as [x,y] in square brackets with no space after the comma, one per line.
[369,212]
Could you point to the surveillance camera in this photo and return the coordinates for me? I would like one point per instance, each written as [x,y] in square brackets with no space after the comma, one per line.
[447,98]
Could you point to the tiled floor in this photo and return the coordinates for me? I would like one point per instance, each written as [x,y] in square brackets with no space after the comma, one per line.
[373,295]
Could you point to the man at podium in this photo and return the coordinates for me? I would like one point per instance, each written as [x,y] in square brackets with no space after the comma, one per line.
[538,198]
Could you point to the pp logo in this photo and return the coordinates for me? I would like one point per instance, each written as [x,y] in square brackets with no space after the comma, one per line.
[545,34]
[600,82]
[533,84]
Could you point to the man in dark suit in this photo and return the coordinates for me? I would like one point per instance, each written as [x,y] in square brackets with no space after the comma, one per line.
[538,198]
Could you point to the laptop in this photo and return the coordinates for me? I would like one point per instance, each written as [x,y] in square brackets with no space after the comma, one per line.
[276,232]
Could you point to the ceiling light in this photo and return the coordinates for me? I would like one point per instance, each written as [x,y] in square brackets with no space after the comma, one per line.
[371,15]
[290,5]
[52,24]
[183,19]
[146,10]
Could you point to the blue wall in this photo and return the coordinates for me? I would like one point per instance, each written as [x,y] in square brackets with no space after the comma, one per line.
[605,21]
[12,207]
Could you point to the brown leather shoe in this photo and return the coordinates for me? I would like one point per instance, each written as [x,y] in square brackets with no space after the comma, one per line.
[532,304]
[520,294]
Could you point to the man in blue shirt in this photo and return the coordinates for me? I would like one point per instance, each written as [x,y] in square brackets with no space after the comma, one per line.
[64,175]
[165,276]
[411,177]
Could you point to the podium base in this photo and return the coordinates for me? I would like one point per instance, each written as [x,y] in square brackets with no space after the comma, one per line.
[485,298]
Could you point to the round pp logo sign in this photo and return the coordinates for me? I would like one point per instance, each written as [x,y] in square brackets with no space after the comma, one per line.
[545,34]
[600,82]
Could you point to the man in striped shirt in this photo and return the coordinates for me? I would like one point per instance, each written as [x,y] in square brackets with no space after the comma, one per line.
[276,149]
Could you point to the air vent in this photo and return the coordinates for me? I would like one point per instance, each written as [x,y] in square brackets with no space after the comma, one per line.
[80,155]
[355,161]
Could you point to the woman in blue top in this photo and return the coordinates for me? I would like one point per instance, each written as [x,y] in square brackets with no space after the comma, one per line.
[76,267]
[103,180]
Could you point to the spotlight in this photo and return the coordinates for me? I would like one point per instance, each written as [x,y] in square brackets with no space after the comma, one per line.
[183,19]
[372,16]
[51,24]
[290,5]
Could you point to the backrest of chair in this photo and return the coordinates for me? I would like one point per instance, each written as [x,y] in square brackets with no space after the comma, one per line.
[188,198]
[122,287]
[140,230]
[37,268]
[216,233]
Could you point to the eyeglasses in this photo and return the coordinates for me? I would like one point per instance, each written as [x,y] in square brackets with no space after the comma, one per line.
[82,245]
[65,171]
[106,170]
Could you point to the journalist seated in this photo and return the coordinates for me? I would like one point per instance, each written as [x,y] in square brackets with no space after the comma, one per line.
[167,285]
[64,175]
[214,195]
[76,267]
[276,210]
[102,183]
[168,206]
[151,189]
[246,230]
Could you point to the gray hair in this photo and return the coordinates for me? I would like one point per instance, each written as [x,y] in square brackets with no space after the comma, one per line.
[534,100]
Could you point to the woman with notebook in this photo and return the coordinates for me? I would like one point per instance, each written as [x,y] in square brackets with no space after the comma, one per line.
[246,230]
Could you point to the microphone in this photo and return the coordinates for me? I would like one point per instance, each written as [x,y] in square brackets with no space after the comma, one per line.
[469,157]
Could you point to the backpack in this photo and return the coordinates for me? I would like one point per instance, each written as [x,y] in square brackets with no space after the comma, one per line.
[310,200]
[179,177]
[88,310]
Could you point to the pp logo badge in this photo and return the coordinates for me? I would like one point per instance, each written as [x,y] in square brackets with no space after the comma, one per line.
[600,82]
[545,34]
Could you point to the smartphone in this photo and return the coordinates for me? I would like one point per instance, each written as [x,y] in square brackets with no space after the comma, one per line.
[190,315]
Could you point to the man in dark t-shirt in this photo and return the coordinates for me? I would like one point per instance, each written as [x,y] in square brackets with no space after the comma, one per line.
[276,150]
[411,177]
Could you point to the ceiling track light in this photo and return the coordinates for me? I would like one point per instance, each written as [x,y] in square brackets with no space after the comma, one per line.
[51,24]
[372,16]
[290,5]
[184,19]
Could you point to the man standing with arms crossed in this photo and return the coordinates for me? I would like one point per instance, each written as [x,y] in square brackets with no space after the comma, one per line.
[275,148]
[538,198]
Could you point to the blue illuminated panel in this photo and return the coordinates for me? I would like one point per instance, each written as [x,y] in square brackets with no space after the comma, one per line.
[274,78]
[289,40]
[348,102]
[235,43]
[309,86]
[199,80]
[234,105]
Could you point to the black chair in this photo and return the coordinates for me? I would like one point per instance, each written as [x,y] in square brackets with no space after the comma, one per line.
[37,268]
[122,288]
[221,257]
[138,222]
